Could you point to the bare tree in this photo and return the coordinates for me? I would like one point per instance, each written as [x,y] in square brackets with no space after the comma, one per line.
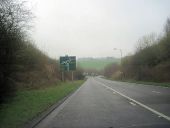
[14,22]
[146,41]
[167,27]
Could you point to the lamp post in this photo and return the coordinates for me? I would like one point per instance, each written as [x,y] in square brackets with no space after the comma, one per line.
[120,59]
[120,54]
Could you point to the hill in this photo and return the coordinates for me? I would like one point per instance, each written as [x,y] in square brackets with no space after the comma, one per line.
[96,63]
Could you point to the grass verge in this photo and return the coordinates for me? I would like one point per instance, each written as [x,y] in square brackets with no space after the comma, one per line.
[28,103]
[148,83]
[143,82]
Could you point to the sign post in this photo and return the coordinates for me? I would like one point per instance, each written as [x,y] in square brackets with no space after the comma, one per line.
[72,75]
[68,63]
[62,76]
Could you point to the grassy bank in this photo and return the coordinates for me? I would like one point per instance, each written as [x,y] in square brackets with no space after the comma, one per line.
[143,82]
[28,103]
[148,83]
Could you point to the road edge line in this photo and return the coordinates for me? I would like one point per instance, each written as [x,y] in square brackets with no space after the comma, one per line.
[137,102]
[38,119]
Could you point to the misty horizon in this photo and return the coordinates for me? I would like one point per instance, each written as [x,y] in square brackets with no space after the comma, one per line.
[94,28]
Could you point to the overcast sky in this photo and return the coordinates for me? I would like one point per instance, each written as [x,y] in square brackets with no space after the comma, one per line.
[93,28]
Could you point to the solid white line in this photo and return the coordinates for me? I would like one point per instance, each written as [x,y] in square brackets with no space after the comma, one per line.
[137,102]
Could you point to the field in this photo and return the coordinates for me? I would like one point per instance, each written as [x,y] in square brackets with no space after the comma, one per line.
[28,103]
[96,63]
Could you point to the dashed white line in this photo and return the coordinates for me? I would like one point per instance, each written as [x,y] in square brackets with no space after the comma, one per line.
[132,103]
[156,92]
[137,102]
[114,92]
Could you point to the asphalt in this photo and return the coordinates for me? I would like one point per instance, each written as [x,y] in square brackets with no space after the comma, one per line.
[101,103]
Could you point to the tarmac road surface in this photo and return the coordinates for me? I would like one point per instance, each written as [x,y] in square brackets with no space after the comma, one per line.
[101,103]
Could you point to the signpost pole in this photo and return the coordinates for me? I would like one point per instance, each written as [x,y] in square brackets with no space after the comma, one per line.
[72,75]
[62,76]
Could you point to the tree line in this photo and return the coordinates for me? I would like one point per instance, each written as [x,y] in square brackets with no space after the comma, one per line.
[150,62]
[22,64]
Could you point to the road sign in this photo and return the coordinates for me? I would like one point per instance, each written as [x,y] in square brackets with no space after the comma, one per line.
[67,63]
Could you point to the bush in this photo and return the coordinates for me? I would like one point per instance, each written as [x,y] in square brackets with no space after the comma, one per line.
[151,59]
[13,20]
[111,69]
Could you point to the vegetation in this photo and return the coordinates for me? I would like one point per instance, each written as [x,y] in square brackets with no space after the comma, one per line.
[26,73]
[22,64]
[13,23]
[28,103]
[148,83]
[151,61]
[110,69]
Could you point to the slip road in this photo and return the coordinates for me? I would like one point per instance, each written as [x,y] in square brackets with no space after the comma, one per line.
[101,103]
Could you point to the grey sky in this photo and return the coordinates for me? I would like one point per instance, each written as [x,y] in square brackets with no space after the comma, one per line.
[92,28]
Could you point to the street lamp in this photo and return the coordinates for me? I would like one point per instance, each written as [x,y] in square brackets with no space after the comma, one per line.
[120,54]
[120,60]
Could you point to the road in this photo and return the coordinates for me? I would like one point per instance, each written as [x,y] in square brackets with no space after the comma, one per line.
[101,103]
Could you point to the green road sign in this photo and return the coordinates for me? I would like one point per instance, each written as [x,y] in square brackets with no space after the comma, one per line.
[67,63]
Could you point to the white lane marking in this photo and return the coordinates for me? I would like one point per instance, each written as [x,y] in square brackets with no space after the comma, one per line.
[114,92]
[137,102]
[132,103]
[118,82]
[156,92]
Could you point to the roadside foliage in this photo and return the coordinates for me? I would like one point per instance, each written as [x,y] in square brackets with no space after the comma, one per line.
[151,61]
[22,64]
